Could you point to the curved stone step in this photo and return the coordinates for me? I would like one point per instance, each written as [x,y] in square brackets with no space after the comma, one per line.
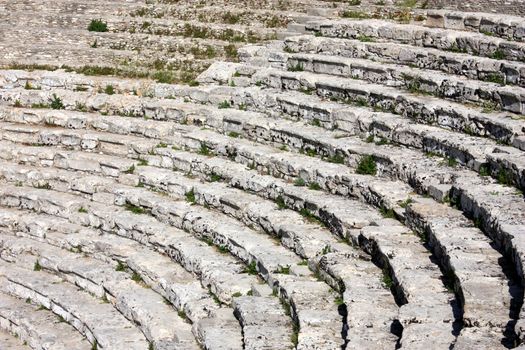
[460,64]
[332,269]
[98,321]
[413,79]
[213,269]
[160,323]
[500,25]
[158,271]
[11,342]
[478,44]
[38,328]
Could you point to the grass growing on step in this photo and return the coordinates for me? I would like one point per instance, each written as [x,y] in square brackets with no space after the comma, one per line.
[387,213]
[37,266]
[498,55]
[234,134]
[136,277]
[409,3]
[297,68]
[142,162]
[299,182]
[204,150]
[339,300]
[387,280]
[109,90]
[281,203]
[406,203]
[495,78]
[56,102]
[337,159]
[134,209]
[44,186]
[82,210]
[121,266]
[190,196]
[224,105]
[355,14]
[367,166]
[504,177]
[484,170]
[365,39]
[231,51]
[236,295]
[251,268]
[97,25]
[314,186]
[130,170]
[354,2]
[285,270]
[94,346]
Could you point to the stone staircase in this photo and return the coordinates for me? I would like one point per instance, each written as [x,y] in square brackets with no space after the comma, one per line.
[276,175]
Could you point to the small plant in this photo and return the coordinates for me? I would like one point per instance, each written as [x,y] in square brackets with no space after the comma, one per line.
[17,104]
[297,68]
[405,203]
[56,102]
[339,301]
[314,186]
[484,170]
[237,294]
[365,39]
[280,203]
[120,266]
[354,2]
[234,134]
[326,250]
[142,162]
[452,162]
[134,209]
[223,249]
[190,196]
[498,55]
[224,104]
[136,277]
[251,268]
[109,90]
[316,122]
[182,314]
[130,170]
[97,25]
[94,346]
[355,14]
[504,177]
[82,210]
[299,182]
[303,263]
[162,145]
[337,159]
[387,213]
[215,177]
[285,270]
[367,166]
[204,150]
[28,86]
[37,266]
[387,280]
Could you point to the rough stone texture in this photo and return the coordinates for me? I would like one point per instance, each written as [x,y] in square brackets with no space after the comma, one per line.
[261,175]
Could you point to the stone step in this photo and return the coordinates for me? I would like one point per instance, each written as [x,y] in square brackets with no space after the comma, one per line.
[159,322]
[156,270]
[414,80]
[499,126]
[457,63]
[268,333]
[98,321]
[37,328]
[500,25]
[284,282]
[482,155]
[11,342]
[473,152]
[443,39]
[411,279]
